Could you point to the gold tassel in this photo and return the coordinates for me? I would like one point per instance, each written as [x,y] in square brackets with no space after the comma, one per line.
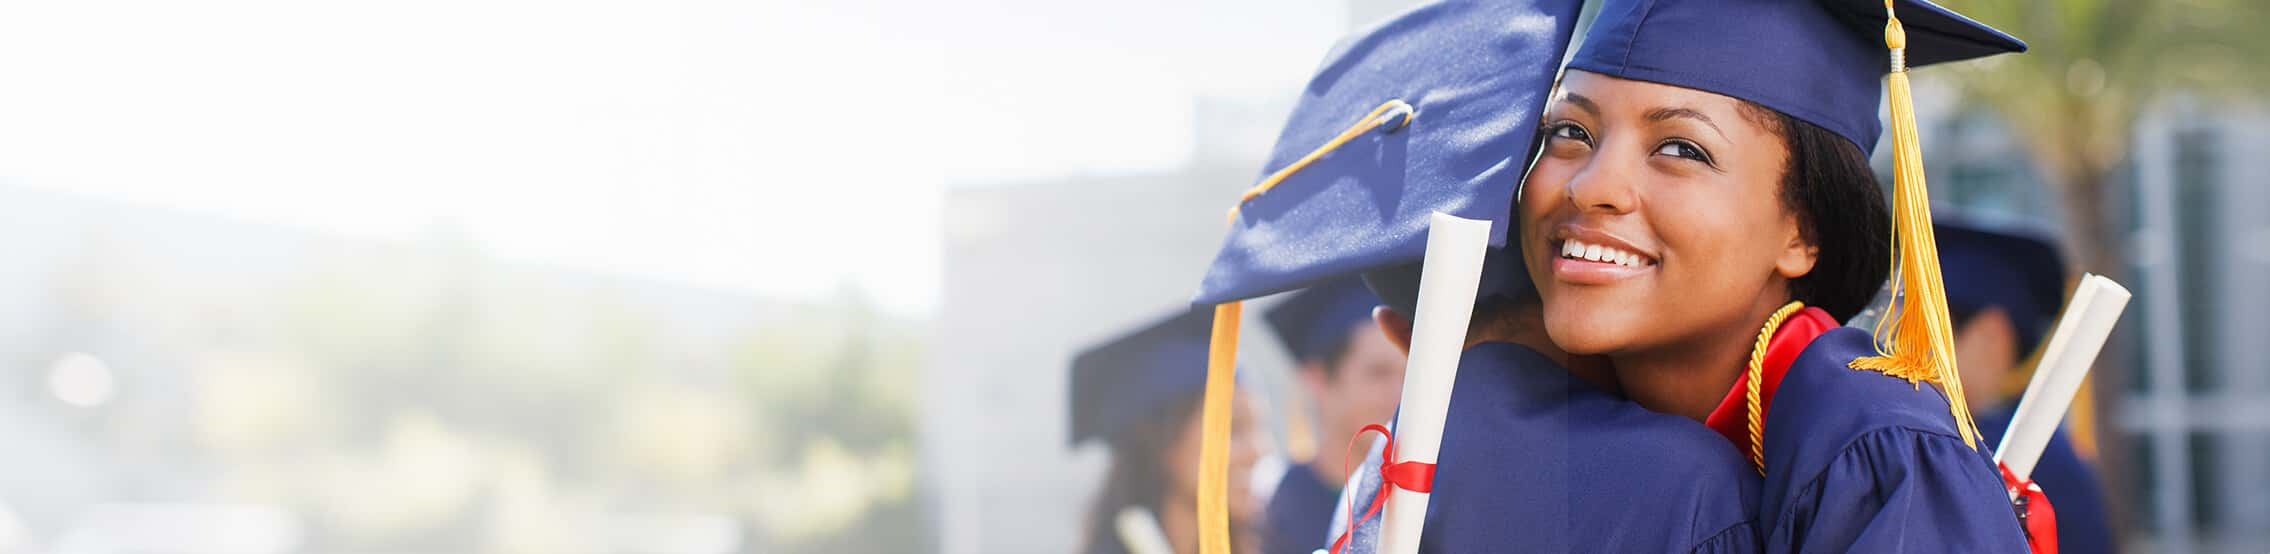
[1214,430]
[1221,359]
[1916,341]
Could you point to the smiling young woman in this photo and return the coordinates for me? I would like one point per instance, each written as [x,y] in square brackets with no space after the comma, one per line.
[1667,223]
[1702,214]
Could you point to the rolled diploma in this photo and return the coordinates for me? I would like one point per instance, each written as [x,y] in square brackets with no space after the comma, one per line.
[2081,332]
[1448,279]
[1140,532]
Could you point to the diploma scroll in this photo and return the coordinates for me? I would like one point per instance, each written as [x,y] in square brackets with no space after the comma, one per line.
[1448,281]
[2081,332]
[1139,531]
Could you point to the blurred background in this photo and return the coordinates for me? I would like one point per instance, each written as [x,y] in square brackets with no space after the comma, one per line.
[716,276]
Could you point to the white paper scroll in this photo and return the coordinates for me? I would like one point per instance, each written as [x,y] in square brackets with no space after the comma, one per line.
[1140,532]
[1448,280]
[2087,322]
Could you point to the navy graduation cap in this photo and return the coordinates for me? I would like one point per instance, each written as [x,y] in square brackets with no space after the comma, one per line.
[1822,61]
[1137,374]
[2009,265]
[1316,321]
[1453,91]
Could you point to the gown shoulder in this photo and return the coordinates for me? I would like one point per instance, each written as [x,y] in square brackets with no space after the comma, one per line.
[1860,461]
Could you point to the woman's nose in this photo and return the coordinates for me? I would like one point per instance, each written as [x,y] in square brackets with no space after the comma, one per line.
[1605,185]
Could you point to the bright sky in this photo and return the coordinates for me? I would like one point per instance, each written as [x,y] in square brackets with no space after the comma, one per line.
[775,147]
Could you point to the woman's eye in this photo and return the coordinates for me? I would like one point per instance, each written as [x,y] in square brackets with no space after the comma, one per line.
[1571,131]
[1683,149]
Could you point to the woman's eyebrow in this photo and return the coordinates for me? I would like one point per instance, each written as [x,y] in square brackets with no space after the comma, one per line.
[1660,114]
[1581,103]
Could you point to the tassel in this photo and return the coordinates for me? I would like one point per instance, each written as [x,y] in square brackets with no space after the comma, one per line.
[1214,430]
[1916,340]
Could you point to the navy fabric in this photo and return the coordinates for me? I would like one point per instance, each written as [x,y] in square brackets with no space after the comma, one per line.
[1298,513]
[2017,268]
[1858,461]
[1536,460]
[1477,74]
[1821,61]
[1138,374]
[2071,484]
[1317,320]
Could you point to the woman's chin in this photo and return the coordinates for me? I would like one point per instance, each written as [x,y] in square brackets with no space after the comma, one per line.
[1584,336]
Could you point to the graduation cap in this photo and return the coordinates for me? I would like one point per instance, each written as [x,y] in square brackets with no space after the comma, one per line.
[2010,265]
[1316,321]
[1821,62]
[1448,98]
[1138,374]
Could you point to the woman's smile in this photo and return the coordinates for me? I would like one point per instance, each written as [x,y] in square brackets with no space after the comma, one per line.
[1593,257]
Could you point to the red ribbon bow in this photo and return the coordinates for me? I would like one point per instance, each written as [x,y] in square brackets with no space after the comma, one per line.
[2034,512]
[1406,475]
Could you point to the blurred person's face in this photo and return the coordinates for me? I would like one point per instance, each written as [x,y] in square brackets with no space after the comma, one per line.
[1182,456]
[1361,388]
[1986,350]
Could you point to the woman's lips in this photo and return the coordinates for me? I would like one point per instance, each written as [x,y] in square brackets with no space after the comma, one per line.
[1577,271]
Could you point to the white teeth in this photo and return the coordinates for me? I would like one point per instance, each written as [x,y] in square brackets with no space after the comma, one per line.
[1593,252]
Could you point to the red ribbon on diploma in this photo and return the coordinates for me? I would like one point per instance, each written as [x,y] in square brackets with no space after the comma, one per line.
[2034,512]
[1406,475]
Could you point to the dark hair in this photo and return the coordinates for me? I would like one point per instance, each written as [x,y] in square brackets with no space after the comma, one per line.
[1138,474]
[1840,209]
[1334,355]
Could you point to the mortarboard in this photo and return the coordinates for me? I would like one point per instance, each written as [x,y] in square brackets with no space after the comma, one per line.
[1434,110]
[1138,374]
[1822,61]
[2000,264]
[1317,320]
[1469,80]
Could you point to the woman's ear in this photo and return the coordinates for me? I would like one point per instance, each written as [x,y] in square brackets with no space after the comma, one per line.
[1797,254]
[1395,326]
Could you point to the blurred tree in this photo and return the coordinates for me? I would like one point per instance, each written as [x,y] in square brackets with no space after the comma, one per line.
[835,379]
[2095,67]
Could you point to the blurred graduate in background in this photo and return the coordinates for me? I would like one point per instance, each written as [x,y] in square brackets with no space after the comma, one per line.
[1354,377]
[1138,393]
[2005,286]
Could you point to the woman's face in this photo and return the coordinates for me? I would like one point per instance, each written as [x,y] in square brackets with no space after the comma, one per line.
[1653,217]
[1182,456]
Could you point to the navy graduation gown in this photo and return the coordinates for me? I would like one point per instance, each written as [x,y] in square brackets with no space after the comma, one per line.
[1859,461]
[2069,483]
[1298,513]
[1535,460]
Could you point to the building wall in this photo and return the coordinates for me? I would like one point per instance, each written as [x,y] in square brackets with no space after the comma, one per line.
[1033,273]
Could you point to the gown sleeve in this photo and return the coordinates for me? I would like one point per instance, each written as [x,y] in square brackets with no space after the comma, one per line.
[1901,490]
